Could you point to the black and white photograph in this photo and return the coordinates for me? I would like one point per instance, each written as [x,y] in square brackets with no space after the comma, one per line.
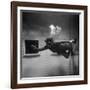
[49,46]
[49,43]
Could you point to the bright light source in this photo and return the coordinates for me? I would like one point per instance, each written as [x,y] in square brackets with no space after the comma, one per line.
[53,29]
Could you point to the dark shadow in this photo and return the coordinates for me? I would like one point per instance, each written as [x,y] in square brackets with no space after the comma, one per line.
[55,54]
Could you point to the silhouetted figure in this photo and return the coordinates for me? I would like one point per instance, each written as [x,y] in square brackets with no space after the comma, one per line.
[61,48]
